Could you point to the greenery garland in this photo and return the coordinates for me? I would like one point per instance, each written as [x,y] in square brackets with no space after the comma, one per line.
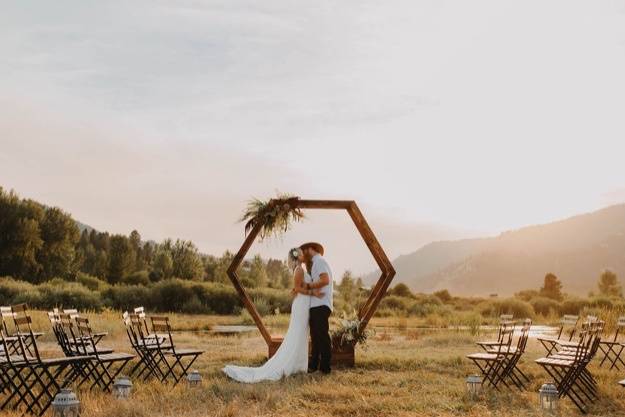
[275,215]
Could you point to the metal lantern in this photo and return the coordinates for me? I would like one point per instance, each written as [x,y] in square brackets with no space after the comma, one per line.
[194,378]
[122,387]
[66,404]
[549,397]
[474,385]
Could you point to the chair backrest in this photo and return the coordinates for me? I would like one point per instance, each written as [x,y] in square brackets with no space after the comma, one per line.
[140,312]
[21,311]
[569,321]
[505,339]
[133,337]
[506,317]
[53,316]
[505,323]
[5,343]
[597,330]
[7,315]
[620,325]
[69,337]
[88,345]
[161,327]
[24,325]
[73,313]
[136,331]
[523,336]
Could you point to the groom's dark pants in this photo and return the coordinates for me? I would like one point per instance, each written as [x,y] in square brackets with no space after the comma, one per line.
[320,337]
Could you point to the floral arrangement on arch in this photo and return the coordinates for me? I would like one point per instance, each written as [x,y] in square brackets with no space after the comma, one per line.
[275,215]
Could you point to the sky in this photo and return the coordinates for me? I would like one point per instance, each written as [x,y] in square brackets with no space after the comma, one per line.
[442,118]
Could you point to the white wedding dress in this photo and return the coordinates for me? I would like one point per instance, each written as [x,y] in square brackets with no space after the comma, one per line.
[291,357]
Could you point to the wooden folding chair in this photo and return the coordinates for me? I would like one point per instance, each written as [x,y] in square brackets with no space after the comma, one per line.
[172,357]
[73,314]
[500,362]
[144,346]
[493,360]
[505,323]
[568,327]
[612,349]
[21,310]
[34,381]
[105,366]
[568,366]
[10,340]
[511,370]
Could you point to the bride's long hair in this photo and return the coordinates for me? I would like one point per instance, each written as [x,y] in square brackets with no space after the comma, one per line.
[293,258]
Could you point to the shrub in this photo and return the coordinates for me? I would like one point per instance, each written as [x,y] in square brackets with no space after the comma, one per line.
[443,295]
[262,306]
[495,308]
[395,303]
[219,298]
[527,295]
[420,309]
[428,299]
[61,294]
[401,290]
[170,295]
[10,288]
[91,282]
[385,312]
[573,306]
[195,306]
[275,299]
[127,297]
[137,278]
[545,306]
[601,302]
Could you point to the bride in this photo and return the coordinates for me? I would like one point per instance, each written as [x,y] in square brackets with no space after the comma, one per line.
[292,356]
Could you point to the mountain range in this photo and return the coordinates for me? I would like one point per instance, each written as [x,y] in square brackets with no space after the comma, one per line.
[576,249]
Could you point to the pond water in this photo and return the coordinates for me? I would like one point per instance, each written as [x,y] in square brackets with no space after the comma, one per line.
[232,329]
[535,331]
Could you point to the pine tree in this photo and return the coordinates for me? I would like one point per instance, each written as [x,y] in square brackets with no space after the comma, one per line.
[609,284]
[552,287]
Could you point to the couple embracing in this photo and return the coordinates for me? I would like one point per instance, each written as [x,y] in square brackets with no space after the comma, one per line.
[311,309]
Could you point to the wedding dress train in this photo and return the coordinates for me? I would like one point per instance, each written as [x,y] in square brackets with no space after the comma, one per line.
[291,357]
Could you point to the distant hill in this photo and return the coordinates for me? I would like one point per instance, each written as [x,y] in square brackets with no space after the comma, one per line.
[576,249]
[82,227]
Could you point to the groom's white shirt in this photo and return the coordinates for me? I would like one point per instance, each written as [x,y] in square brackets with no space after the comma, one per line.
[320,266]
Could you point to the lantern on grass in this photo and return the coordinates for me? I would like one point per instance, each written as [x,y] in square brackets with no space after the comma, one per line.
[66,404]
[549,397]
[194,378]
[474,385]
[122,387]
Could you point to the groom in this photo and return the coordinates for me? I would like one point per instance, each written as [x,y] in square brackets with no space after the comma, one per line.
[320,307]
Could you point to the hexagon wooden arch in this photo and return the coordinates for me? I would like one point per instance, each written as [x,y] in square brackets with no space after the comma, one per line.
[377,293]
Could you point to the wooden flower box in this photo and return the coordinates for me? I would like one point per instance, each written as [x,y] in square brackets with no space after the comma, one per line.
[342,356]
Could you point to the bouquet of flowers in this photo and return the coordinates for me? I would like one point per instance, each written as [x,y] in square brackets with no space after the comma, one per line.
[275,215]
[349,332]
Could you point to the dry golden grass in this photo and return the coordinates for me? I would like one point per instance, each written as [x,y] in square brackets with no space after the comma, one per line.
[404,372]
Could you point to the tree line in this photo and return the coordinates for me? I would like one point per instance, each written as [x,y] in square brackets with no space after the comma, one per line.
[39,243]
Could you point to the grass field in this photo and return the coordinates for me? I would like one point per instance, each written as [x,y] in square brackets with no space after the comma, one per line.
[406,371]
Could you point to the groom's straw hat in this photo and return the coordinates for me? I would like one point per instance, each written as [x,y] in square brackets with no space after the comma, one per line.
[314,245]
